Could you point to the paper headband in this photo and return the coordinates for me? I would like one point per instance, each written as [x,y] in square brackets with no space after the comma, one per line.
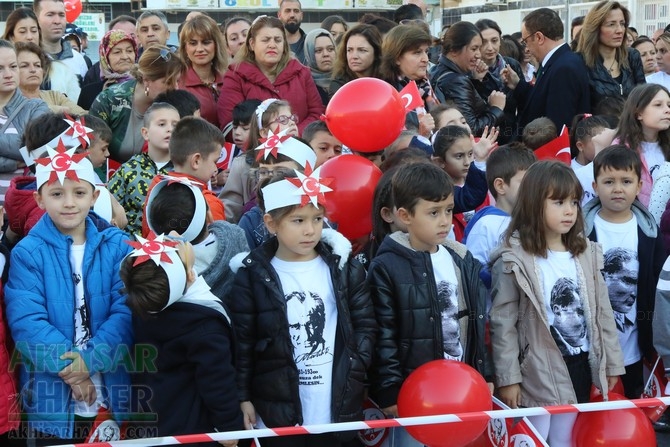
[260,110]
[280,143]
[103,204]
[306,188]
[61,163]
[77,134]
[164,254]
[200,214]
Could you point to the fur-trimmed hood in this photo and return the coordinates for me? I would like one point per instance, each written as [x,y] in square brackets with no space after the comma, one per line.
[336,243]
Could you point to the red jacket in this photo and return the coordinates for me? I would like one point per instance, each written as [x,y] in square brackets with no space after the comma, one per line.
[22,210]
[192,83]
[294,84]
[10,414]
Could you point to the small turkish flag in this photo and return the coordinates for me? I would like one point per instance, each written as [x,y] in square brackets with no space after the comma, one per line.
[411,97]
[556,149]
[228,151]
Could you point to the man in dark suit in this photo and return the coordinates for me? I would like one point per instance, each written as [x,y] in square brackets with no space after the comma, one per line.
[561,87]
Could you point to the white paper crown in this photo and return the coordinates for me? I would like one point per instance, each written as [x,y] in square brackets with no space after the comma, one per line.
[281,143]
[200,214]
[74,136]
[164,253]
[103,204]
[306,188]
[61,163]
[262,107]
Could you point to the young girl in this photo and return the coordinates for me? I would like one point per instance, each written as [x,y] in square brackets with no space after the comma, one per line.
[305,322]
[453,146]
[584,127]
[271,115]
[552,328]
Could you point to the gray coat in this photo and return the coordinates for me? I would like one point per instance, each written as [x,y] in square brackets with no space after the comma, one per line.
[10,143]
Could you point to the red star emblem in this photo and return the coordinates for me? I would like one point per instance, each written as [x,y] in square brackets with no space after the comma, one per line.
[271,144]
[311,187]
[154,248]
[78,130]
[61,162]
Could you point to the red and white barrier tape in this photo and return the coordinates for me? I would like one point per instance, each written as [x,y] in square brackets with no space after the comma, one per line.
[383,423]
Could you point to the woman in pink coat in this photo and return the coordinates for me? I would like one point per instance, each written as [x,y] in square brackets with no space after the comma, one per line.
[266,70]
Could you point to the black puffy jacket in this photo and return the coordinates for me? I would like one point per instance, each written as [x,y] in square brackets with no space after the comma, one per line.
[402,285]
[457,86]
[267,373]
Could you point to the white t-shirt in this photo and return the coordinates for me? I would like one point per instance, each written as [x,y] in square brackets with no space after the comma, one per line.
[653,156]
[312,317]
[485,236]
[447,298]
[585,177]
[574,164]
[82,327]
[619,241]
[660,77]
[564,305]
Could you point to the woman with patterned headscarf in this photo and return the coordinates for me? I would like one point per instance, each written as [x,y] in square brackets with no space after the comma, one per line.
[118,51]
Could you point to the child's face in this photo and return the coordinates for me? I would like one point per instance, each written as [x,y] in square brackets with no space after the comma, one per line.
[560,216]
[205,166]
[282,120]
[457,160]
[241,135]
[617,189]
[430,224]
[160,128]
[326,146]
[451,117]
[298,233]
[98,152]
[656,116]
[512,189]
[67,205]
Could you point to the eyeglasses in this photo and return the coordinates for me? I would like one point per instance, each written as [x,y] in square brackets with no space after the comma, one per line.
[283,119]
[262,173]
[524,39]
[412,21]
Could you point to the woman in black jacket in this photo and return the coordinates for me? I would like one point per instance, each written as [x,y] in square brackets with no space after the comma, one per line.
[450,78]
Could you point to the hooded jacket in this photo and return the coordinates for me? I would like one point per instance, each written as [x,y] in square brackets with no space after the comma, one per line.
[293,84]
[402,284]
[40,312]
[10,143]
[266,372]
[651,256]
[524,351]
[231,241]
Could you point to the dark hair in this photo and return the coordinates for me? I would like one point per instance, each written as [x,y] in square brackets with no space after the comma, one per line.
[640,40]
[154,107]
[312,128]
[341,67]
[146,286]
[37,4]
[505,162]
[39,131]
[30,47]
[610,106]
[630,127]
[584,126]
[539,132]
[173,209]
[446,137]
[415,181]
[100,128]
[458,36]
[484,24]
[545,20]
[121,18]
[184,101]
[404,156]
[15,17]
[397,42]
[546,179]
[381,24]
[409,11]
[191,136]
[383,198]
[511,47]
[329,21]
[245,111]
[617,157]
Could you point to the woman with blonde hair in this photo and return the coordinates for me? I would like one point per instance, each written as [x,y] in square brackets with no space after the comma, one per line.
[662,76]
[122,106]
[613,68]
[203,49]
[264,69]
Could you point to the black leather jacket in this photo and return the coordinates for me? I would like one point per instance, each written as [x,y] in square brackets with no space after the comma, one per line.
[402,285]
[266,372]
[604,85]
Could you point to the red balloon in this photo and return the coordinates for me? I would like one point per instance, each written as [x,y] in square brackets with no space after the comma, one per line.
[366,115]
[597,396]
[616,428]
[350,203]
[72,10]
[444,387]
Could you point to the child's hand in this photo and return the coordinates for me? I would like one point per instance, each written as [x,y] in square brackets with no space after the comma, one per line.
[491,386]
[76,372]
[249,414]
[391,411]
[486,144]
[510,395]
[84,392]
[426,124]
[611,381]
[119,218]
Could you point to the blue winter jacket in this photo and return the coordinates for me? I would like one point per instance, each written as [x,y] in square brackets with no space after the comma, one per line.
[40,304]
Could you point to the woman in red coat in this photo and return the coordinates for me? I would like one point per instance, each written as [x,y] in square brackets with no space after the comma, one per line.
[267,70]
[9,401]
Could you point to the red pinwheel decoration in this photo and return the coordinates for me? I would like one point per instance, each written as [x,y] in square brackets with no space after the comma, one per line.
[310,186]
[154,248]
[79,130]
[271,144]
[61,162]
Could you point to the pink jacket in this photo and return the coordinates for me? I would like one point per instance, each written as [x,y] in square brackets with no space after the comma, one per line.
[294,84]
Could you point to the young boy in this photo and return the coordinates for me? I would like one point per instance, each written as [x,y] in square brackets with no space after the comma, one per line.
[177,205]
[538,132]
[412,277]
[506,167]
[194,363]
[130,183]
[184,101]
[633,252]
[324,144]
[65,307]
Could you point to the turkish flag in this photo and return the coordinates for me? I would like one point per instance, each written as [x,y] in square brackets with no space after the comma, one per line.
[411,97]
[228,151]
[556,149]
